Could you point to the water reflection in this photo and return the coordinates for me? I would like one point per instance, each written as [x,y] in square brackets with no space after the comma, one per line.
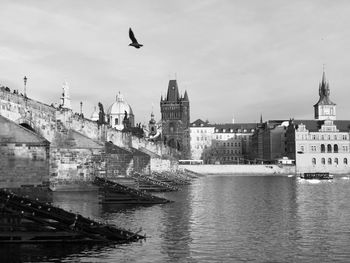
[176,234]
[248,217]
[220,219]
[323,218]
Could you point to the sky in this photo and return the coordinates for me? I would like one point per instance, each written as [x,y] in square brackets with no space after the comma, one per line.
[236,59]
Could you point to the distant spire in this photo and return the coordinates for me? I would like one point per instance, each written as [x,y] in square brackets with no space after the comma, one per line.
[261,120]
[324,75]
[173,91]
[186,96]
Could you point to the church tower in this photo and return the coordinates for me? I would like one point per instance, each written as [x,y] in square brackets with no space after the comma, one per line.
[324,108]
[175,111]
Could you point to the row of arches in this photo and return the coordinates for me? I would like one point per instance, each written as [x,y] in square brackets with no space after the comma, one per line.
[329,148]
[330,161]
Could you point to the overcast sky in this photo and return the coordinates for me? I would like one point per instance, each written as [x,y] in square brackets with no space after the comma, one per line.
[234,58]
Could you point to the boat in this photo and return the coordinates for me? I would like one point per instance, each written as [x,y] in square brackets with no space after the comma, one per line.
[318,176]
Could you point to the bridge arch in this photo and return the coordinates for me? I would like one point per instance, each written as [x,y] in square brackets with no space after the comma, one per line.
[28,124]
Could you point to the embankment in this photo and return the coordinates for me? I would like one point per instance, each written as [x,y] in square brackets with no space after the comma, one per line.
[242,169]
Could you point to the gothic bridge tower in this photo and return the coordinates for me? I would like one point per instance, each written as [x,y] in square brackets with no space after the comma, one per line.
[175,111]
[324,108]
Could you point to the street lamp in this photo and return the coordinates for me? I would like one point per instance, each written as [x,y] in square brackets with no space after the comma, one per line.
[25,86]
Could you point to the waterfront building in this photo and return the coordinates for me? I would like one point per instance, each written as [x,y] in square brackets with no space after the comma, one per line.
[201,133]
[232,142]
[119,113]
[321,144]
[268,141]
[175,112]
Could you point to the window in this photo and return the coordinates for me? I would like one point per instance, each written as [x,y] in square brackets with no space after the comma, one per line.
[323,148]
[314,161]
[116,121]
[329,161]
[329,148]
[302,148]
[335,148]
[345,161]
[336,161]
[323,161]
[344,137]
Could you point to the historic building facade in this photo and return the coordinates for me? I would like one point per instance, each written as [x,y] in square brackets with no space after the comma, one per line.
[322,144]
[232,142]
[201,133]
[228,143]
[268,141]
[175,111]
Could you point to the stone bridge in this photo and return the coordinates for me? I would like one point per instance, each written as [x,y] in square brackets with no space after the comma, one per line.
[47,120]
[78,146]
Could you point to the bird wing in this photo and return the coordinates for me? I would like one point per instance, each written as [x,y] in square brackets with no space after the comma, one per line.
[132,37]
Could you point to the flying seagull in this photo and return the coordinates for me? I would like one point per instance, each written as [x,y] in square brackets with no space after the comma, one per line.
[134,43]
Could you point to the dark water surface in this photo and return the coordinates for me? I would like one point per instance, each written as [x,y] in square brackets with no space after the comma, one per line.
[218,219]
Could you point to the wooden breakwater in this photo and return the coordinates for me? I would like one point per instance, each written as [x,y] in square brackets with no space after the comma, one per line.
[24,220]
[113,192]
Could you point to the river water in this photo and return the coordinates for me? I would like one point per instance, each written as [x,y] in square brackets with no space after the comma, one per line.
[217,219]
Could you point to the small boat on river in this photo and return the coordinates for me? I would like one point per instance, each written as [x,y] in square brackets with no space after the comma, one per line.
[318,176]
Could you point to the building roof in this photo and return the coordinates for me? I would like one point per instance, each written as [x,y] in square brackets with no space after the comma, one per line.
[11,132]
[200,123]
[315,125]
[235,127]
[119,106]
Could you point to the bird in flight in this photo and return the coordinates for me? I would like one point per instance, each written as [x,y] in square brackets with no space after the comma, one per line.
[134,43]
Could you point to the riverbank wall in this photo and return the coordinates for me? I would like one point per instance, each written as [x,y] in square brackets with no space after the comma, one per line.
[241,169]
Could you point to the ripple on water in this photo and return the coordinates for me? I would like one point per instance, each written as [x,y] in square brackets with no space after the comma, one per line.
[223,219]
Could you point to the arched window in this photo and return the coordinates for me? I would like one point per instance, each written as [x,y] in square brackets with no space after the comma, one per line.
[314,161]
[323,161]
[323,148]
[336,161]
[345,161]
[335,148]
[329,148]
[329,161]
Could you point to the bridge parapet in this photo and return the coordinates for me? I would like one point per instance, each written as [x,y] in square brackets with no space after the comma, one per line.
[40,117]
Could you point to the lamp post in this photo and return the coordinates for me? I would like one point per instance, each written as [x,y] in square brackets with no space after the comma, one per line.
[25,86]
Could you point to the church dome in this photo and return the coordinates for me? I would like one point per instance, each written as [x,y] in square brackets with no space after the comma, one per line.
[119,106]
[95,115]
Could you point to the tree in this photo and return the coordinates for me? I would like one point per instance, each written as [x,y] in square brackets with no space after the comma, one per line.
[212,154]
